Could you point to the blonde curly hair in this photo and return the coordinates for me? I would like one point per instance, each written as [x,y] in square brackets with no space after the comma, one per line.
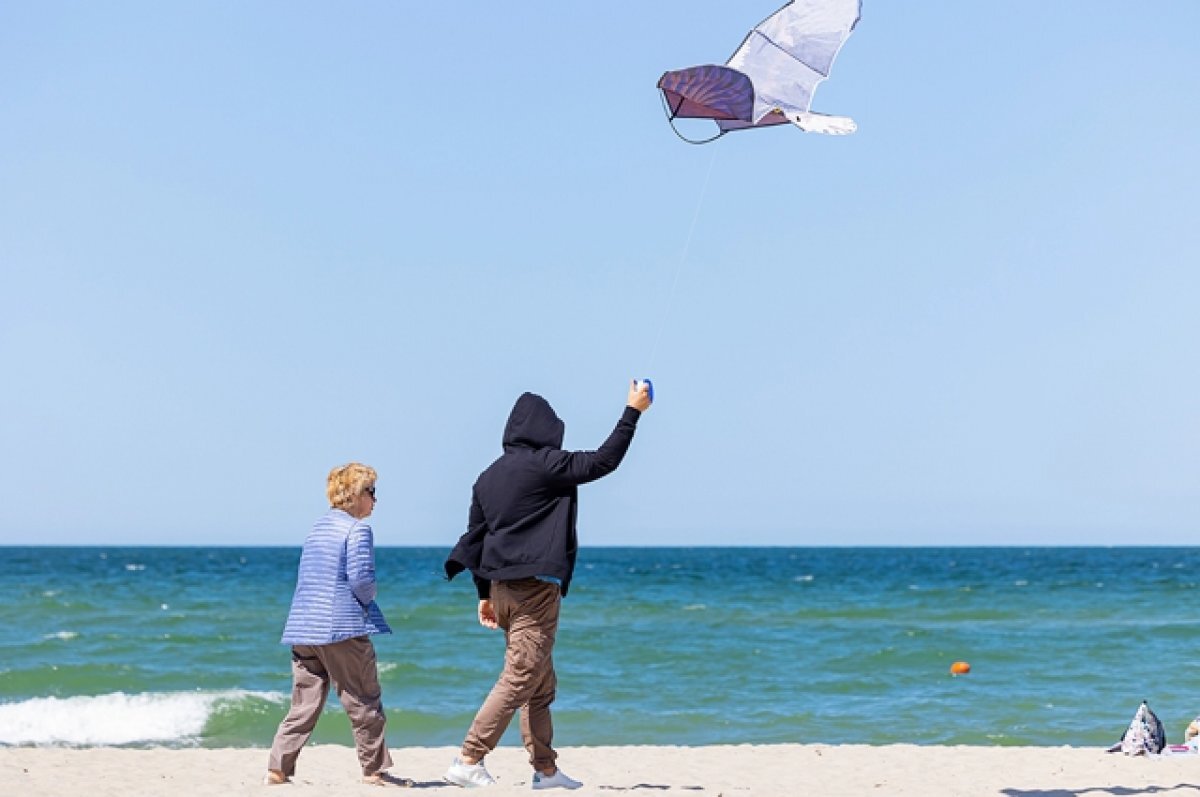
[347,482]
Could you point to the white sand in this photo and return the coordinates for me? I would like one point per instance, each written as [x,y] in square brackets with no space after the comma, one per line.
[820,770]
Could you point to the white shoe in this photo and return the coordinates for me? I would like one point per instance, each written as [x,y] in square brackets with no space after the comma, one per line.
[558,780]
[469,776]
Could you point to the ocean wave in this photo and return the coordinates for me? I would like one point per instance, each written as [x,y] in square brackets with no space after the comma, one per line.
[65,636]
[119,718]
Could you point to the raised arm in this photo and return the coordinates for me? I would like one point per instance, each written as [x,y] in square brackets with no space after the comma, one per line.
[581,467]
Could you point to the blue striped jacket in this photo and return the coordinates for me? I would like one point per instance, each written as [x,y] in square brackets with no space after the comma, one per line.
[335,588]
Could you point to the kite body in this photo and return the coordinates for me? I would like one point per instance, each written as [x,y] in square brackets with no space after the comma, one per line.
[771,78]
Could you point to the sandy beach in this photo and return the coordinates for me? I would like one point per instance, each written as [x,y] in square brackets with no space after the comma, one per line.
[720,770]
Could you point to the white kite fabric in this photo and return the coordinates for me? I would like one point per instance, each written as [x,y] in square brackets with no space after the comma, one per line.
[792,51]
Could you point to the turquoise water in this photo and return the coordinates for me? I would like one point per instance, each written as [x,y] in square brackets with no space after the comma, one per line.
[178,646]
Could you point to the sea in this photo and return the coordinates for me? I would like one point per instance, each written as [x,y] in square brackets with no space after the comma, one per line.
[179,647]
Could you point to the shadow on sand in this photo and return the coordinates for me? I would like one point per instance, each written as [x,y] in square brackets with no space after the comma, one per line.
[653,786]
[1099,791]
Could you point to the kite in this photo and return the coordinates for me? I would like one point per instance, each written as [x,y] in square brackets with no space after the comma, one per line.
[771,78]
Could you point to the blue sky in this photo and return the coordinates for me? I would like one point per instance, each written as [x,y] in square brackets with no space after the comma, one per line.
[242,243]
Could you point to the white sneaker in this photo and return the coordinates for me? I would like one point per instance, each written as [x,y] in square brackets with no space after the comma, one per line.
[558,780]
[469,776]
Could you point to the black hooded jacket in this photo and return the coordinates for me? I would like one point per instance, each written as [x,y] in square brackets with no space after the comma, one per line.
[523,507]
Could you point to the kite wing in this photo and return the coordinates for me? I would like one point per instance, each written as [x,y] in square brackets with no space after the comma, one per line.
[771,78]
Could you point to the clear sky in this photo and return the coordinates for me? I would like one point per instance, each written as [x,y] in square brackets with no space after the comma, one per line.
[242,243]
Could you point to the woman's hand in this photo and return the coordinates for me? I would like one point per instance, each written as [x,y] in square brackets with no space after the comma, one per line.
[487,615]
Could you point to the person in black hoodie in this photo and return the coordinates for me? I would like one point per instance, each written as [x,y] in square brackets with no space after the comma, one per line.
[520,547]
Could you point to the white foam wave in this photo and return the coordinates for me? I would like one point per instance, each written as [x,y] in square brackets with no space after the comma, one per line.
[65,636]
[114,719]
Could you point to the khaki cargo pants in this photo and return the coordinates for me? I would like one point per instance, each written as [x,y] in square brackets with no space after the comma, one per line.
[527,610]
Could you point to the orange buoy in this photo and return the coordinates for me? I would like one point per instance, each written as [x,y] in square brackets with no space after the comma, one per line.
[960,668]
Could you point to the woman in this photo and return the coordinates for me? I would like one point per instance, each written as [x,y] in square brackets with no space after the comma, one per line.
[332,617]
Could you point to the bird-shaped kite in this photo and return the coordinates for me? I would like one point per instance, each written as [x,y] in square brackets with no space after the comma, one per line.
[771,78]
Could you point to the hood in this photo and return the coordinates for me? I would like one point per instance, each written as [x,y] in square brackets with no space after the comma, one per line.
[533,424]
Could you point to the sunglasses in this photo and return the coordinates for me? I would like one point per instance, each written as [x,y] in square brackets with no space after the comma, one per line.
[370,491]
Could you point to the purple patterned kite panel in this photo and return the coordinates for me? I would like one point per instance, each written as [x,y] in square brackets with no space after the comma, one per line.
[708,92]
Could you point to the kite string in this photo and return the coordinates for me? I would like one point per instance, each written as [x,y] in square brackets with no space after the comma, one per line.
[687,245]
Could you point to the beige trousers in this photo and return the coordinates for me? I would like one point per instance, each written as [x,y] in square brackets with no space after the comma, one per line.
[527,610]
[351,666]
